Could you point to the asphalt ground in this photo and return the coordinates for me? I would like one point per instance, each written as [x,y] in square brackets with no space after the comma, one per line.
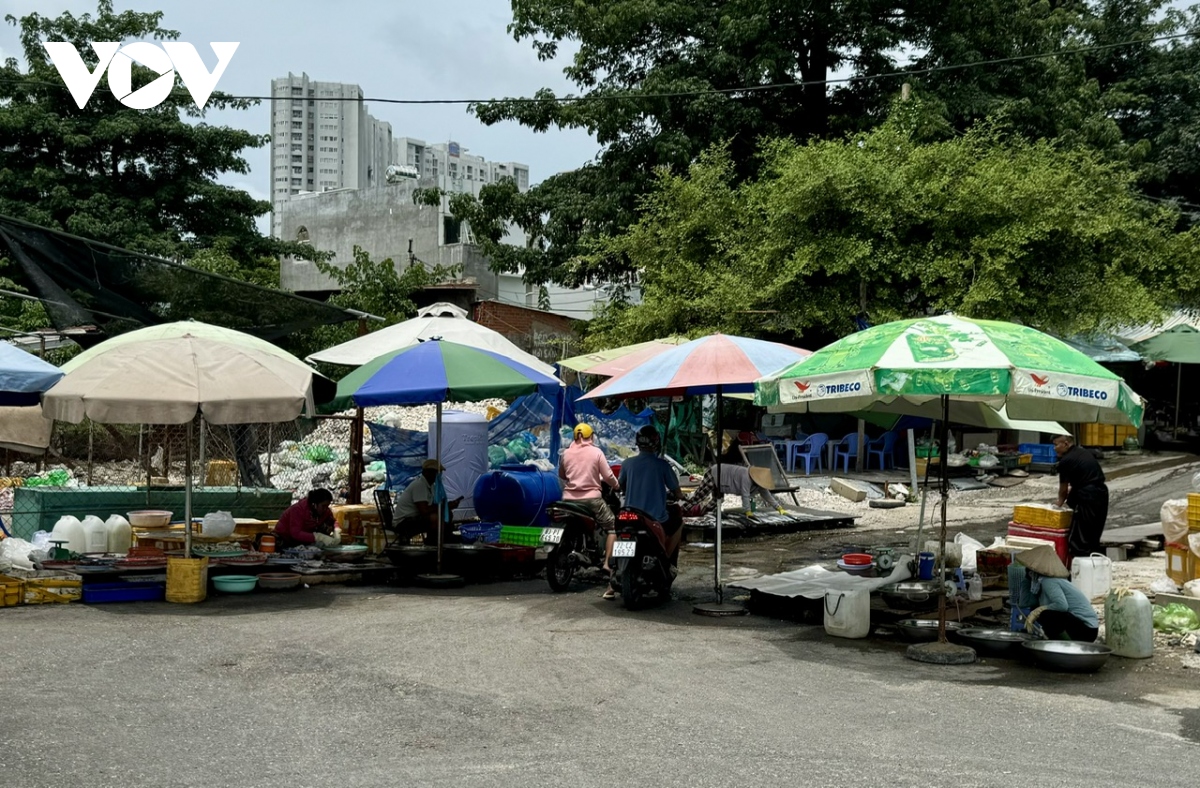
[508,684]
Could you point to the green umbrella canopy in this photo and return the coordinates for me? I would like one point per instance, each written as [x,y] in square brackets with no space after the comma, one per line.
[904,365]
[1179,345]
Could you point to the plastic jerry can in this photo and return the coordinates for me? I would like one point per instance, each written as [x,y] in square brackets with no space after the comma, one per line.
[120,535]
[848,613]
[1092,575]
[95,534]
[69,530]
[1129,623]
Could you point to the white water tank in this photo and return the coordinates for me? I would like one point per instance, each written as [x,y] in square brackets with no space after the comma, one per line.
[848,613]
[464,454]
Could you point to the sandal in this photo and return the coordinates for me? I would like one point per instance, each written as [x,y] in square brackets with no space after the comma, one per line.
[609,594]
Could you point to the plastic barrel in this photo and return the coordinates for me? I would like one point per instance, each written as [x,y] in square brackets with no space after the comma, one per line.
[516,495]
[187,580]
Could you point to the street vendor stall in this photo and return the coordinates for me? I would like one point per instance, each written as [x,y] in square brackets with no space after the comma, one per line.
[174,374]
[906,365]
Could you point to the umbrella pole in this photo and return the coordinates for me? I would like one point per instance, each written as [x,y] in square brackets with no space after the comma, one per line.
[439,478]
[187,493]
[945,488]
[1178,388]
[720,498]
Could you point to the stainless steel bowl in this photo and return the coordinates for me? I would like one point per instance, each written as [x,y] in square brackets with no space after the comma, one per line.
[1068,655]
[908,594]
[917,630]
[999,643]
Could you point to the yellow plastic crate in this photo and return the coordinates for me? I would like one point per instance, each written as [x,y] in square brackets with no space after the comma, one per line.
[1181,564]
[1041,515]
[12,591]
[1024,459]
[53,587]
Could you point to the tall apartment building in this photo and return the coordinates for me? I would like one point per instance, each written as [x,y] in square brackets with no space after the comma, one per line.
[323,138]
[453,168]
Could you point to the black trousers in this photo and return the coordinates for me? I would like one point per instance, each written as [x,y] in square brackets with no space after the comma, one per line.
[1056,623]
[1087,524]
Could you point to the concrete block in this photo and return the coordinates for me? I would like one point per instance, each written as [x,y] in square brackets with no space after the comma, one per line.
[853,490]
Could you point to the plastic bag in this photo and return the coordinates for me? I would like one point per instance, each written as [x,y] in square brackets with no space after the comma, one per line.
[1164,585]
[55,478]
[988,461]
[1175,619]
[218,524]
[1173,515]
[1192,588]
[969,548]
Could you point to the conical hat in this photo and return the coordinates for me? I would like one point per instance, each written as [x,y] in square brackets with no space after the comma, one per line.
[762,477]
[1043,560]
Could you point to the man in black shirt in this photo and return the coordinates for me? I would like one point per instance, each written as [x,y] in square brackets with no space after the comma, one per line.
[1081,486]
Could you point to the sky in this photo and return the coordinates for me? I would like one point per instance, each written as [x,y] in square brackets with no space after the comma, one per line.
[392,49]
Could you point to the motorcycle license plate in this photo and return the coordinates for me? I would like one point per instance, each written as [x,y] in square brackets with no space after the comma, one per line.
[552,535]
[624,549]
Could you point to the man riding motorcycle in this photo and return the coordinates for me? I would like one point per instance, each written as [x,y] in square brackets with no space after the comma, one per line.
[646,480]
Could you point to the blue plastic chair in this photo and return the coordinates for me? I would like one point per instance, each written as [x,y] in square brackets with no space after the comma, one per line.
[811,449]
[846,449]
[885,447]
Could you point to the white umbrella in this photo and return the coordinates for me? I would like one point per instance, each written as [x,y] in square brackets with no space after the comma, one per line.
[450,327]
[225,375]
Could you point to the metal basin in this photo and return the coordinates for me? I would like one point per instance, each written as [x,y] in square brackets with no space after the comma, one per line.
[1068,655]
[917,630]
[908,594]
[999,643]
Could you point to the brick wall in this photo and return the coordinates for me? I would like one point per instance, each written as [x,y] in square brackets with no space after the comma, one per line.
[517,321]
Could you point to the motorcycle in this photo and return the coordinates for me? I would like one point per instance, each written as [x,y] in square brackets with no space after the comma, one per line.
[643,568]
[574,543]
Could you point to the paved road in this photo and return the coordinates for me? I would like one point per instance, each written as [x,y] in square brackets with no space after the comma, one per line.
[506,685]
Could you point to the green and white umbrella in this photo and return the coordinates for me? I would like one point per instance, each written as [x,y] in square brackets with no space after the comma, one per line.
[907,366]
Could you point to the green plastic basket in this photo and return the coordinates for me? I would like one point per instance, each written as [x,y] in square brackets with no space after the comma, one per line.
[521,535]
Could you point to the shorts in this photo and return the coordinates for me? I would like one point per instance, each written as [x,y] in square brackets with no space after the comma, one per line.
[601,511]
[674,520]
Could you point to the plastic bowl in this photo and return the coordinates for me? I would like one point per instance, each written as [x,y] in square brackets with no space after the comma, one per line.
[235,584]
[149,518]
[857,559]
[277,581]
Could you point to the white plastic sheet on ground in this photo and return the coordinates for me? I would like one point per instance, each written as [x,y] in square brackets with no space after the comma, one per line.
[812,582]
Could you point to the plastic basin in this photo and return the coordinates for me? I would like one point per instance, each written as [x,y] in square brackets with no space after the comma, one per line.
[278,581]
[857,559]
[235,584]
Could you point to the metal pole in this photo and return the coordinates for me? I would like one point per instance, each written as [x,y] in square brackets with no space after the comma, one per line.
[1178,388]
[270,449]
[720,498]
[203,435]
[187,493]
[912,460]
[945,487]
[439,478]
[91,427]
[862,439]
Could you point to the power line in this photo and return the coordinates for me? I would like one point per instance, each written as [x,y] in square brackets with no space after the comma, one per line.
[627,95]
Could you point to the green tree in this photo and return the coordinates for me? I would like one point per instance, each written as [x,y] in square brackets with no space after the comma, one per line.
[141,179]
[1126,101]
[983,224]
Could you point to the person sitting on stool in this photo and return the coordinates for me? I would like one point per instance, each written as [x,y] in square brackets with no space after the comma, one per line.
[416,512]
[1037,577]
[307,522]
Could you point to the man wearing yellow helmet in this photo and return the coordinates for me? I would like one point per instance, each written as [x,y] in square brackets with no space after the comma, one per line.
[583,468]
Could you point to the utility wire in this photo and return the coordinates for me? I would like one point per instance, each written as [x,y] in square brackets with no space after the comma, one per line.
[628,94]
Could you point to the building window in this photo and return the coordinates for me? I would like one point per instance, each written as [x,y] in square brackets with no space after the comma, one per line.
[451,229]
[296,124]
[302,235]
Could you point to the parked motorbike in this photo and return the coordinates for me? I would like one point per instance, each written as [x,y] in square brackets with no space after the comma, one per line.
[574,543]
[644,571]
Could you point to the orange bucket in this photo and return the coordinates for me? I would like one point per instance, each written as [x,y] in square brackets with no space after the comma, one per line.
[267,543]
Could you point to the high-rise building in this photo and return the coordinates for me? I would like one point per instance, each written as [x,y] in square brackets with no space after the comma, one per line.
[323,138]
[453,168]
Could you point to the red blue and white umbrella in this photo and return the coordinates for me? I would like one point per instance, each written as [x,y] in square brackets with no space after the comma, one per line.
[710,365]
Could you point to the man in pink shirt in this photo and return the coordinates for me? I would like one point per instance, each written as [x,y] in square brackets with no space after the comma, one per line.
[583,469]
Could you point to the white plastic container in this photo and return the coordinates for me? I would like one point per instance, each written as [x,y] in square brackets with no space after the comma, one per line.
[120,534]
[1092,575]
[95,534]
[464,454]
[1129,624]
[69,530]
[848,613]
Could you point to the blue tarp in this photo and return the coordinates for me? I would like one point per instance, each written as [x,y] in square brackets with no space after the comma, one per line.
[23,376]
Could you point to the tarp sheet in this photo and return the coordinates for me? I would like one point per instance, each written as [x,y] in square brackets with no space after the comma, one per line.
[812,582]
